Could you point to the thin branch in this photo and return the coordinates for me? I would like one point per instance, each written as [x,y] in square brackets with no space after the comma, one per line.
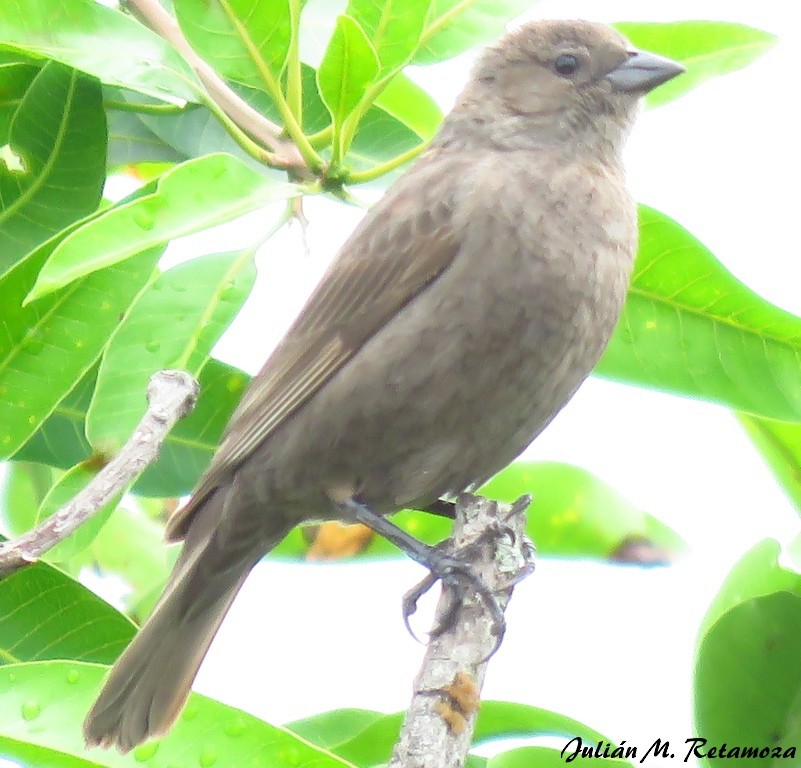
[171,395]
[438,727]
[284,152]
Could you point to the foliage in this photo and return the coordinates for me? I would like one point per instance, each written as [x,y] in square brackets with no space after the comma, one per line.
[87,91]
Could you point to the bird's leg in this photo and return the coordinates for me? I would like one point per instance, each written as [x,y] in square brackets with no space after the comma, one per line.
[449,568]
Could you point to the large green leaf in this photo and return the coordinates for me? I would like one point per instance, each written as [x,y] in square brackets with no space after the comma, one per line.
[61,440]
[130,142]
[23,486]
[244,40]
[16,77]
[691,328]
[174,323]
[779,442]
[576,514]
[406,101]
[748,652]
[48,345]
[44,703]
[58,134]
[100,41]
[189,197]
[394,27]
[328,729]
[44,614]
[706,48]
[348,67]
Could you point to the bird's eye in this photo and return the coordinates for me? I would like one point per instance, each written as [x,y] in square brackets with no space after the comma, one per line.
[566,65]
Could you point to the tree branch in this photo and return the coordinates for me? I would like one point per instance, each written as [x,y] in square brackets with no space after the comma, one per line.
[269,134]
[171,395]
[438,727]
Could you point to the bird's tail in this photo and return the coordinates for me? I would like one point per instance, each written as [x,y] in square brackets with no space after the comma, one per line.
[149,684]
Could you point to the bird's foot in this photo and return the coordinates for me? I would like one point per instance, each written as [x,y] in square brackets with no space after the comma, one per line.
[455,572]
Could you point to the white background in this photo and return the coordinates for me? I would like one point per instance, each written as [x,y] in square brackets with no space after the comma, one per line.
[611,646]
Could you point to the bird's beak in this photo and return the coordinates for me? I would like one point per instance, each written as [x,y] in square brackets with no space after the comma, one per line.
[642,72]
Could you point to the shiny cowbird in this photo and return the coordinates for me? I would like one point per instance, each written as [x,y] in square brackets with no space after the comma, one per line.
[455,322]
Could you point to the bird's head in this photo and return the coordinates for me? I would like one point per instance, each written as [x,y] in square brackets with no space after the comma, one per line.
[564,83]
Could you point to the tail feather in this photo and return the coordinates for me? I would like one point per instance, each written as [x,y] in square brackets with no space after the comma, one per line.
[150,682]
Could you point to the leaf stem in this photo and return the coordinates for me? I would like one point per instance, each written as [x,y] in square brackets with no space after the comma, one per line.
[377,171]
[322,139]
[145,109]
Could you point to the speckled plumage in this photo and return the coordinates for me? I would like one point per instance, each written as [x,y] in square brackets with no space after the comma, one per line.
[457,320]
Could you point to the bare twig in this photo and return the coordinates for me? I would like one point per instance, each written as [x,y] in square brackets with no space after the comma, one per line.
[284,152]
[438,727]
[171,395]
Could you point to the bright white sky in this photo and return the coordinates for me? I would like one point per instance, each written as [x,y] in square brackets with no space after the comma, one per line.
[611,646]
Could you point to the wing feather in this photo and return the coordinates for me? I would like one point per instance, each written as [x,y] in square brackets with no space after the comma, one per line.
[379,270]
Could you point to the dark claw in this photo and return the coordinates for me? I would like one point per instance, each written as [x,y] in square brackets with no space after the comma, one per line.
[460,577]
[410,600]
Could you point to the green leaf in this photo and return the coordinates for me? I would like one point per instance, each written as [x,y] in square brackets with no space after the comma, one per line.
[748,651]
[244,40]
[58,134]
[379,136]
[190,133]
[61,440]
[691,328]
[706,48]
[174,323]
[22,489]
[48,345]
[394,28]
[46,702]
[575,514]
[68,486]
[338,726]
[15,80]
[348,68]
[757,574]
[44,614]
[193,441]
[100,41]
[188,198]
[779,442]
[132,142]
[455,26]
[406,101]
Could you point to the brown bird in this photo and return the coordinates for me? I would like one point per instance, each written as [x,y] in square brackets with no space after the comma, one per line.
[456,321]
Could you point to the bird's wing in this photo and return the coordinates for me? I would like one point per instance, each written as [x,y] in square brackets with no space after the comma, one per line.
[379,270]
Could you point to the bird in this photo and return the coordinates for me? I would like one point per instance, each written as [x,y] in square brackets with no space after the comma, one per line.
[454,323]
